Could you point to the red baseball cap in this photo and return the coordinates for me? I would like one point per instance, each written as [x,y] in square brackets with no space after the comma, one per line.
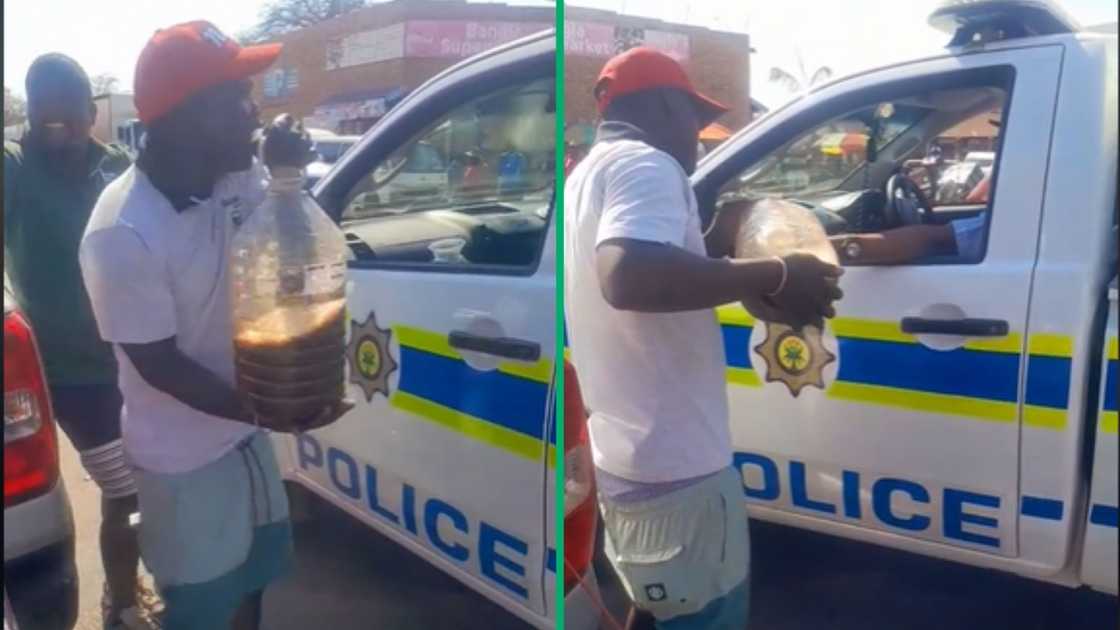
[643,68]
[185,59]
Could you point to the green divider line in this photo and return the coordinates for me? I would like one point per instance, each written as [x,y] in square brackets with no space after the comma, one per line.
[558,220]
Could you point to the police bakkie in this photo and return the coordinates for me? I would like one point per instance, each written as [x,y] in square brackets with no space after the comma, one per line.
[962,404]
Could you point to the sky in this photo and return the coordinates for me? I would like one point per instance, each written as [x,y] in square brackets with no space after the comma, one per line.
[103,35]
[106,36]
[848,36]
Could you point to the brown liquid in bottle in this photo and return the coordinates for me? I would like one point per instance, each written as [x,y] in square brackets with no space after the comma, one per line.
[288,269]
[292,375]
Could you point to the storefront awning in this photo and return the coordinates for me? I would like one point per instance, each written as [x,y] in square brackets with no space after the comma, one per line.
[843,143]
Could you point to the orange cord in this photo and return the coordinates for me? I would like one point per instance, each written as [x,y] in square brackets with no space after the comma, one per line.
[605,614]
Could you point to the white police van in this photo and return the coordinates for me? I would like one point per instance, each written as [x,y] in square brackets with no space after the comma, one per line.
[962,406]
[450,449]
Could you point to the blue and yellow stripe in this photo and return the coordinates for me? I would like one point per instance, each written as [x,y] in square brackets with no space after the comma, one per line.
[1108,418]
[884,366]
[504,408]
[1048,509]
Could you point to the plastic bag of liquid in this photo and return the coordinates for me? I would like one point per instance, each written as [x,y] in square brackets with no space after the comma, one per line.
[774,227]
[288,271]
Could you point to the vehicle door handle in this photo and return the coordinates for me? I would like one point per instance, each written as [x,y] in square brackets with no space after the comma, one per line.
[505,347]
[967,327]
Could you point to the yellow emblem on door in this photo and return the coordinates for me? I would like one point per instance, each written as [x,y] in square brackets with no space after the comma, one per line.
[794,358]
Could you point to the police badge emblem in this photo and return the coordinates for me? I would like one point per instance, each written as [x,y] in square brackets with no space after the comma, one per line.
[795,359]
[369,357]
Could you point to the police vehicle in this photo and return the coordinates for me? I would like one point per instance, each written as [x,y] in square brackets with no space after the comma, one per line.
[963,406]
[450,450]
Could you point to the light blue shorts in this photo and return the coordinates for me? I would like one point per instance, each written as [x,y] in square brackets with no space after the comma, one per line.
[684,556]
[214,535]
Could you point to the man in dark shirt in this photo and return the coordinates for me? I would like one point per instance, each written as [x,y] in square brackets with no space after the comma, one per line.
[52,178]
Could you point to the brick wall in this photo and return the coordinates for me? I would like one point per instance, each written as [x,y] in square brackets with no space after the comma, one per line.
[718,64]
[306,51]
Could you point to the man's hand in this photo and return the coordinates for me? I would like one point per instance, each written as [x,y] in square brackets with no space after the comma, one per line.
[284,142]
[328,415]
[322,418]
[763,308]
[807,295]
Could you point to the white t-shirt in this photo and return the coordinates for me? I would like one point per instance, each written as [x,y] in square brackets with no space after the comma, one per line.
[654,382]
[154,273]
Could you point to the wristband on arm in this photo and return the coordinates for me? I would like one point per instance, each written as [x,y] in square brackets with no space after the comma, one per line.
[785,277]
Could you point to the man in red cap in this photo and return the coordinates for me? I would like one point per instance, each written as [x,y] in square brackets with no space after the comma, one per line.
[214,516]
[640,287]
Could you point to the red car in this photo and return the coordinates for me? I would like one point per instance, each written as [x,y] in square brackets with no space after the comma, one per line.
[40,578]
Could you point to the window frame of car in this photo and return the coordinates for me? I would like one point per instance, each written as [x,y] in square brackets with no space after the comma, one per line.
[522,62]
[741,154]
[339,147]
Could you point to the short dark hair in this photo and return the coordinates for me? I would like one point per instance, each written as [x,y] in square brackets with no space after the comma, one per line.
[57,70]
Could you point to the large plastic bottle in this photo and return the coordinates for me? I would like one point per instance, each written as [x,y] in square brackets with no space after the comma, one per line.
[288,270]
[775,227]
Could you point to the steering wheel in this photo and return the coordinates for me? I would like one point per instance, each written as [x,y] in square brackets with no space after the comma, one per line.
[906,203]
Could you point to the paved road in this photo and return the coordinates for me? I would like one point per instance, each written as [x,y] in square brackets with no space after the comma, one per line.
[346,576]
[808,581]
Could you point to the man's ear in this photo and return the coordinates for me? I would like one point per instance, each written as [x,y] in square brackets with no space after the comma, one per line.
[599,88]
[92,112]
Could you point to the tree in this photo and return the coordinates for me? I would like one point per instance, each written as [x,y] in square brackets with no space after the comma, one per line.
[104,83]
[284,16]
[802,81]
[15,108]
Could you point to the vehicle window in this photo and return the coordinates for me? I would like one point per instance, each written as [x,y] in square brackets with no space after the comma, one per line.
[474,188]
[958,160]
[824,158]
[330,152]
[924,160]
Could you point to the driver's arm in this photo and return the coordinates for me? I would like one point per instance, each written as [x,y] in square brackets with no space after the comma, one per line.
[897,246]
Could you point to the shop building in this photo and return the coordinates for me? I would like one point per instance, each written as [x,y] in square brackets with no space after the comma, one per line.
[344,74]
[717,62]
